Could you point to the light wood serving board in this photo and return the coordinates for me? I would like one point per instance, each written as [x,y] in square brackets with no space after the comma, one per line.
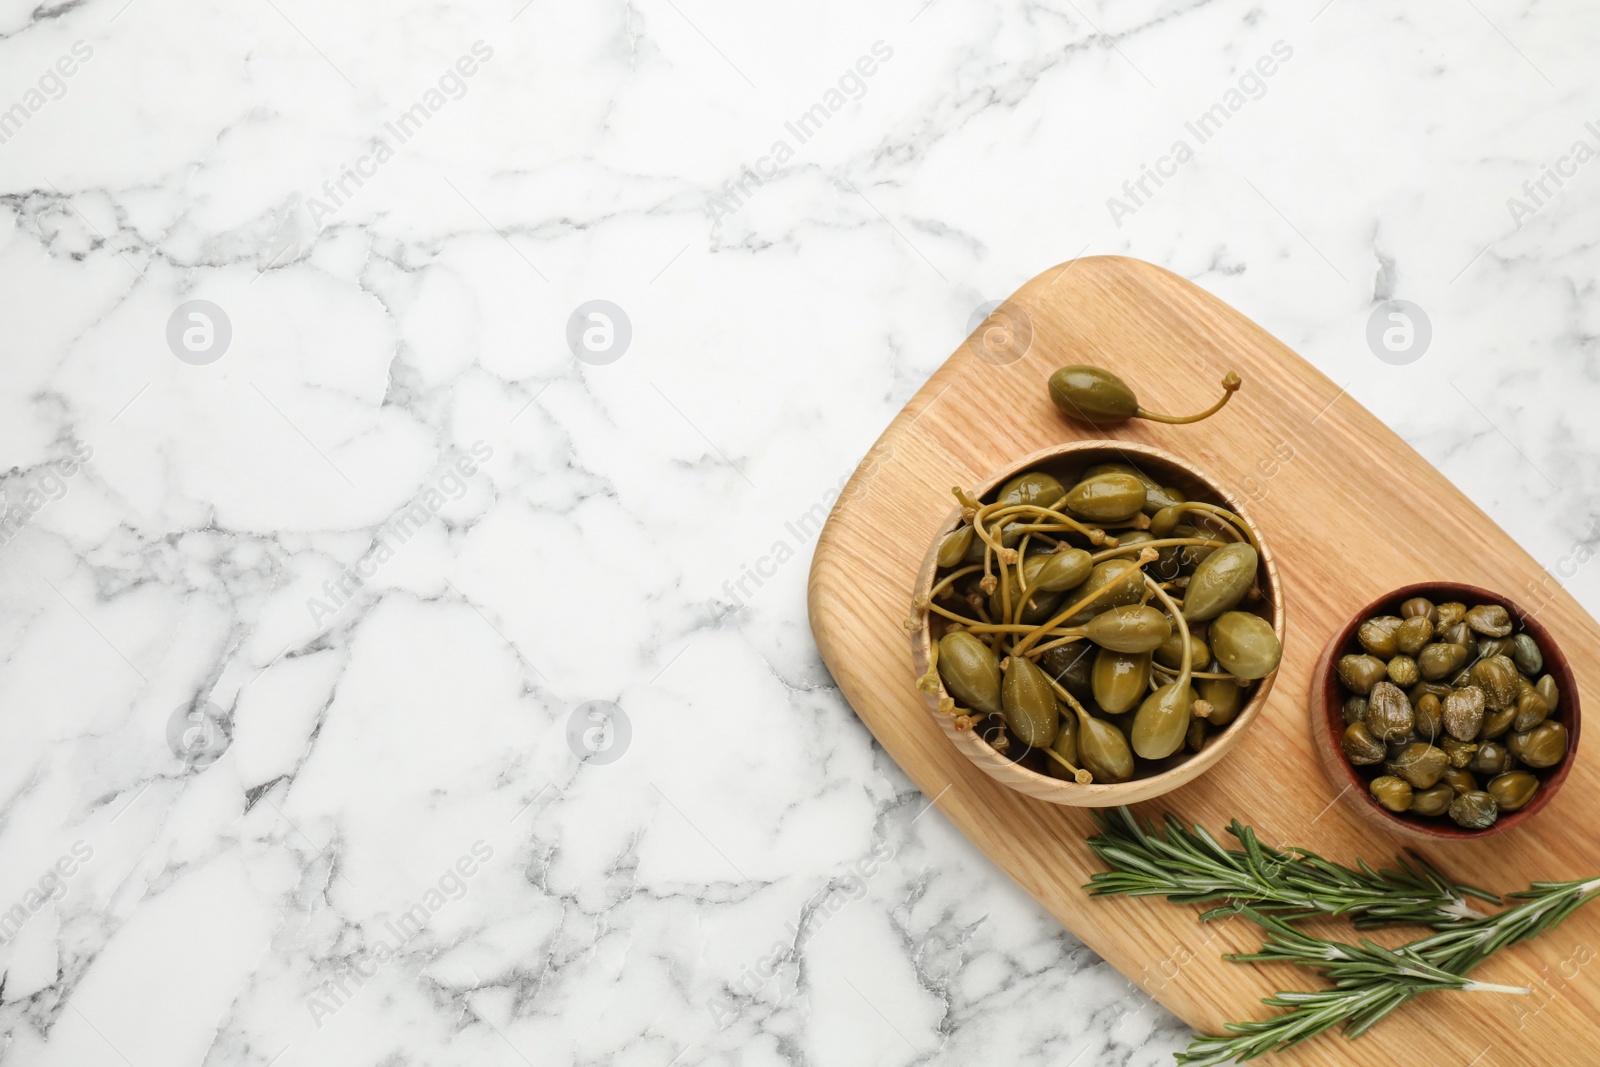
[1323,509]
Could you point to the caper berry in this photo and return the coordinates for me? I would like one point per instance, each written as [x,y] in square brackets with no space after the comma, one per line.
[1098,397]
[1245,645]
[970,671]
[1225,696]
[1119,680]
[1513,790]
[954,546]
[1393,793]
[1110,497]
[1221,582]
[1028,704]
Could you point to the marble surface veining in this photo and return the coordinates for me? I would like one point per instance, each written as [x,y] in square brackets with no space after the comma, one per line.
[307,589]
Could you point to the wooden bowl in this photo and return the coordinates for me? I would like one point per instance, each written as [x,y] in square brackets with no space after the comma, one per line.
[1168,470]
[1328,725]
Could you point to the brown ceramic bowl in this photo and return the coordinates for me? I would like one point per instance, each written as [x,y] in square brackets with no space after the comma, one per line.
[1327,716]
[1066,461]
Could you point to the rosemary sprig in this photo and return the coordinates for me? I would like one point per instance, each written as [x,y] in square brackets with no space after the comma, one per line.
[1371,982]
[1192,867]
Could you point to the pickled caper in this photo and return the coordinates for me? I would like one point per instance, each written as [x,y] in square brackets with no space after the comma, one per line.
[1447,615]
[1225,696]
[1032,487]
[1420,764]
[1460,779]
[1526,655]
[954,546]
[1434,801]
[1195,740]
[1355,710]
[1163,720]
[1474,811]
[1120,680]
[1393,793]
[1463,713]
[1491,759]
[1133,628]
[1059,571]
[1102,749]
[1245,645]
[1459,753]
[1403,671]
[1066,746]
[1418,607]
[1547,688]
[1497,677]
[1531,711]
[1412,634]
[1491,620]
[1441,659]
[1360,747]
[1028,703]
[1377,635]
[1100,398]
[1126,580]
[1221,582]
[1513,790]
[1429,713]
[1495,646]
[970,672]
[1496,723]
[1110,497]
[1360,673]
[1542,747]
[1390,716]
[1170,652]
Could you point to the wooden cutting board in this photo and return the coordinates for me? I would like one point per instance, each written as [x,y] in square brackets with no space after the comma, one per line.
[1325,480]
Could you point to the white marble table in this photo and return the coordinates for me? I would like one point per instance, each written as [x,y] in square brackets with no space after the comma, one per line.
[397,535]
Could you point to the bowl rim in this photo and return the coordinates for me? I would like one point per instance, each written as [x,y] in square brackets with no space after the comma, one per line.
[1059,791]
[1326,702]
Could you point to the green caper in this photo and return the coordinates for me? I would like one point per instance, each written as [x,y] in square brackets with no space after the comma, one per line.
[1513,790]
[1058,571]
[1460,779]
[1028,704]
[1195,739]
[1434,801]
[1418,607]
[1157,497]
[1426,688]
[1429,714]
[1377,635]
[1449,614]
[1170,652]
[1403,671]
[1360,673]
[1526,655]
[1463,713]
[1547,688]
[1120,680]
[1071,666]
[1066,746]
[1543,746]
[954,546]
[1360,747]
[1109,497]
[1134,628]
[1103,750]
[1497,677]
[1123,574]
[1531,711]
[1459,634]
[1492,758]
[1225,696]
[1221,582]
[1032,487]
[1491,620]
[1412,634]
[1393,793]
[1355,710]
[1420,764]
[1474,811]
[1496,723]
[1440,660]
[1162,721]
[1459,753]
[1245,645]
[1495,646]
[1100,398]
[1390,716]
[970,671]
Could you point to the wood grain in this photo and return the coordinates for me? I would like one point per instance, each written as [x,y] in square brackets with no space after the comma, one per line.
[1322,476]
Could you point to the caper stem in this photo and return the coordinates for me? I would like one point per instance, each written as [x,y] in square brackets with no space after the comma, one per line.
[945,582]
[997,511]
[1216,676]
[1170,542]
[1243,527]
[1230,385]
[1082,777]
[983,626]
[1035,653]
[1186,673]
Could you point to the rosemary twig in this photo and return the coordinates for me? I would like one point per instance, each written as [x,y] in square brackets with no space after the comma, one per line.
[1192,867]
